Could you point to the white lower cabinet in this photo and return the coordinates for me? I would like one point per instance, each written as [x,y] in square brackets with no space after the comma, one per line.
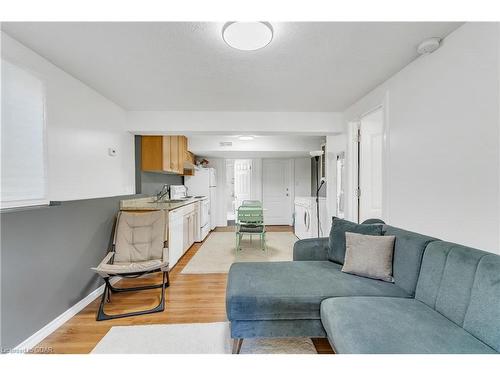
[175,236]
[181,232]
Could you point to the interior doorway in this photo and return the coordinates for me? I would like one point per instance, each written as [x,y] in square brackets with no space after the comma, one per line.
[370,165]
[238,185]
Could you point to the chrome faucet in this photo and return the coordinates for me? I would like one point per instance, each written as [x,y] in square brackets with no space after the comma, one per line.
[165,190]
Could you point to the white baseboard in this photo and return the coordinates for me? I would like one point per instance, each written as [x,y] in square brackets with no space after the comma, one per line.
[38,336]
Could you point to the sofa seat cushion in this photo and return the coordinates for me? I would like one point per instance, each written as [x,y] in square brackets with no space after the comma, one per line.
[294,290]
[362,325]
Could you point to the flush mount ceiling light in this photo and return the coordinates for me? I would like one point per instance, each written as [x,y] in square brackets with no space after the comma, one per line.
[246,138]
[247,36]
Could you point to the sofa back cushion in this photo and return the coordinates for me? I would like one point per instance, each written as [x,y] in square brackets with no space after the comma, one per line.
[483,315]
[408,252]
[336,243]
[463,284]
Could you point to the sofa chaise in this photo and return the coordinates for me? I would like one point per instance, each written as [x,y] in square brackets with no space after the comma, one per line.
[445,298]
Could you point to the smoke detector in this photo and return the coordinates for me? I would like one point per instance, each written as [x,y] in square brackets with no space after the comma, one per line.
[428,46]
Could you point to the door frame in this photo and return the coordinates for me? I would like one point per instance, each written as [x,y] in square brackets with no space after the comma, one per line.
[353,166]
[291,185]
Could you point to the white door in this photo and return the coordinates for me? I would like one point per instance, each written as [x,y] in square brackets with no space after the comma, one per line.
[276,194]
[242,181]
[370,165]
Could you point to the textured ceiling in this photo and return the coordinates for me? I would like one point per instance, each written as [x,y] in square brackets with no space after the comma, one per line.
[186,66]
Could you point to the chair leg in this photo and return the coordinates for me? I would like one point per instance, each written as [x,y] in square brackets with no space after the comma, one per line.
[101,315]
[237,345]
[168,279]
[108,296]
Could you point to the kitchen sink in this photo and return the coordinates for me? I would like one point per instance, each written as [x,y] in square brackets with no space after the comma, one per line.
[153,200]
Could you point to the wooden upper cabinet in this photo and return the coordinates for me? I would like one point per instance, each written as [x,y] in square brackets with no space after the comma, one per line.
[167,154]
[152,153]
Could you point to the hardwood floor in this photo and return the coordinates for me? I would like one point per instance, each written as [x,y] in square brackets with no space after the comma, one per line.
[190,298]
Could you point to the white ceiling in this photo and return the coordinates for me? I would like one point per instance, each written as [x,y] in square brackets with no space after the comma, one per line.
[309,66]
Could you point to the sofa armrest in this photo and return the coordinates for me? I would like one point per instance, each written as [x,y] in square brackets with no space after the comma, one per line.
[311,249]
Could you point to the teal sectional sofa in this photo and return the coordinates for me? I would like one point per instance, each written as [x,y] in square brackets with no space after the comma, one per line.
[445,299]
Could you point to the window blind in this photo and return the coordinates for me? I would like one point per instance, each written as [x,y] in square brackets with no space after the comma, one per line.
[23,151]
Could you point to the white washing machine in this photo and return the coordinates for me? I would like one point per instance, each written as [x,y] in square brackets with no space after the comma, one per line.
[305,215]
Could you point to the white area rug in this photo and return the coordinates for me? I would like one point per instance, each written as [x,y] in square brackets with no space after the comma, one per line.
[199,338]
[218,252]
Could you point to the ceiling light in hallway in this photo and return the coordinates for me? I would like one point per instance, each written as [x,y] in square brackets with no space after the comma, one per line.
[247,36]
[246,138]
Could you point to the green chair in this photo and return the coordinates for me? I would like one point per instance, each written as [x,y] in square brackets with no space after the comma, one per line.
[250,220]
[251,203]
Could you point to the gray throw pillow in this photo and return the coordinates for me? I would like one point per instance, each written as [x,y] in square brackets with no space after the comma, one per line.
[369,256]
[336,245]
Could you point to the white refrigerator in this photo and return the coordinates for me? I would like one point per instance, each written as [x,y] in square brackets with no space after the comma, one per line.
[204,182]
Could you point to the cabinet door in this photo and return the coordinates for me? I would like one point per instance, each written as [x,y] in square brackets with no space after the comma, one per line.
[151,153]
[175,237]
[191,229]
[167,160]
[185,231]
[174,153]
[181,153]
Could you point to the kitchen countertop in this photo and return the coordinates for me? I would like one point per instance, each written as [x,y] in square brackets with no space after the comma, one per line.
[147,204]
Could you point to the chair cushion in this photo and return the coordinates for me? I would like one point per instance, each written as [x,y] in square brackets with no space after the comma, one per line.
[139,236]
[246,228]
[293,290]
[336,247]
[362,325]
[126,267]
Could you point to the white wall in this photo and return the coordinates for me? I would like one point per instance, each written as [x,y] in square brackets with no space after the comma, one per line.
[442,152]
[212,122]
[334,145]
[81,126]
[302,177]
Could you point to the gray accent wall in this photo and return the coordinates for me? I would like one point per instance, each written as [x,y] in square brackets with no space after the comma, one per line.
[46,254]
[151,183]
[46,258]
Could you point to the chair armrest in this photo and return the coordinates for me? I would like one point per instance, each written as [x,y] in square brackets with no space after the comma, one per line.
[311,249]
[107,259]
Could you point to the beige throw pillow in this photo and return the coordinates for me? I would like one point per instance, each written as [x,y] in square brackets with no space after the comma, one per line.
[369,256]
